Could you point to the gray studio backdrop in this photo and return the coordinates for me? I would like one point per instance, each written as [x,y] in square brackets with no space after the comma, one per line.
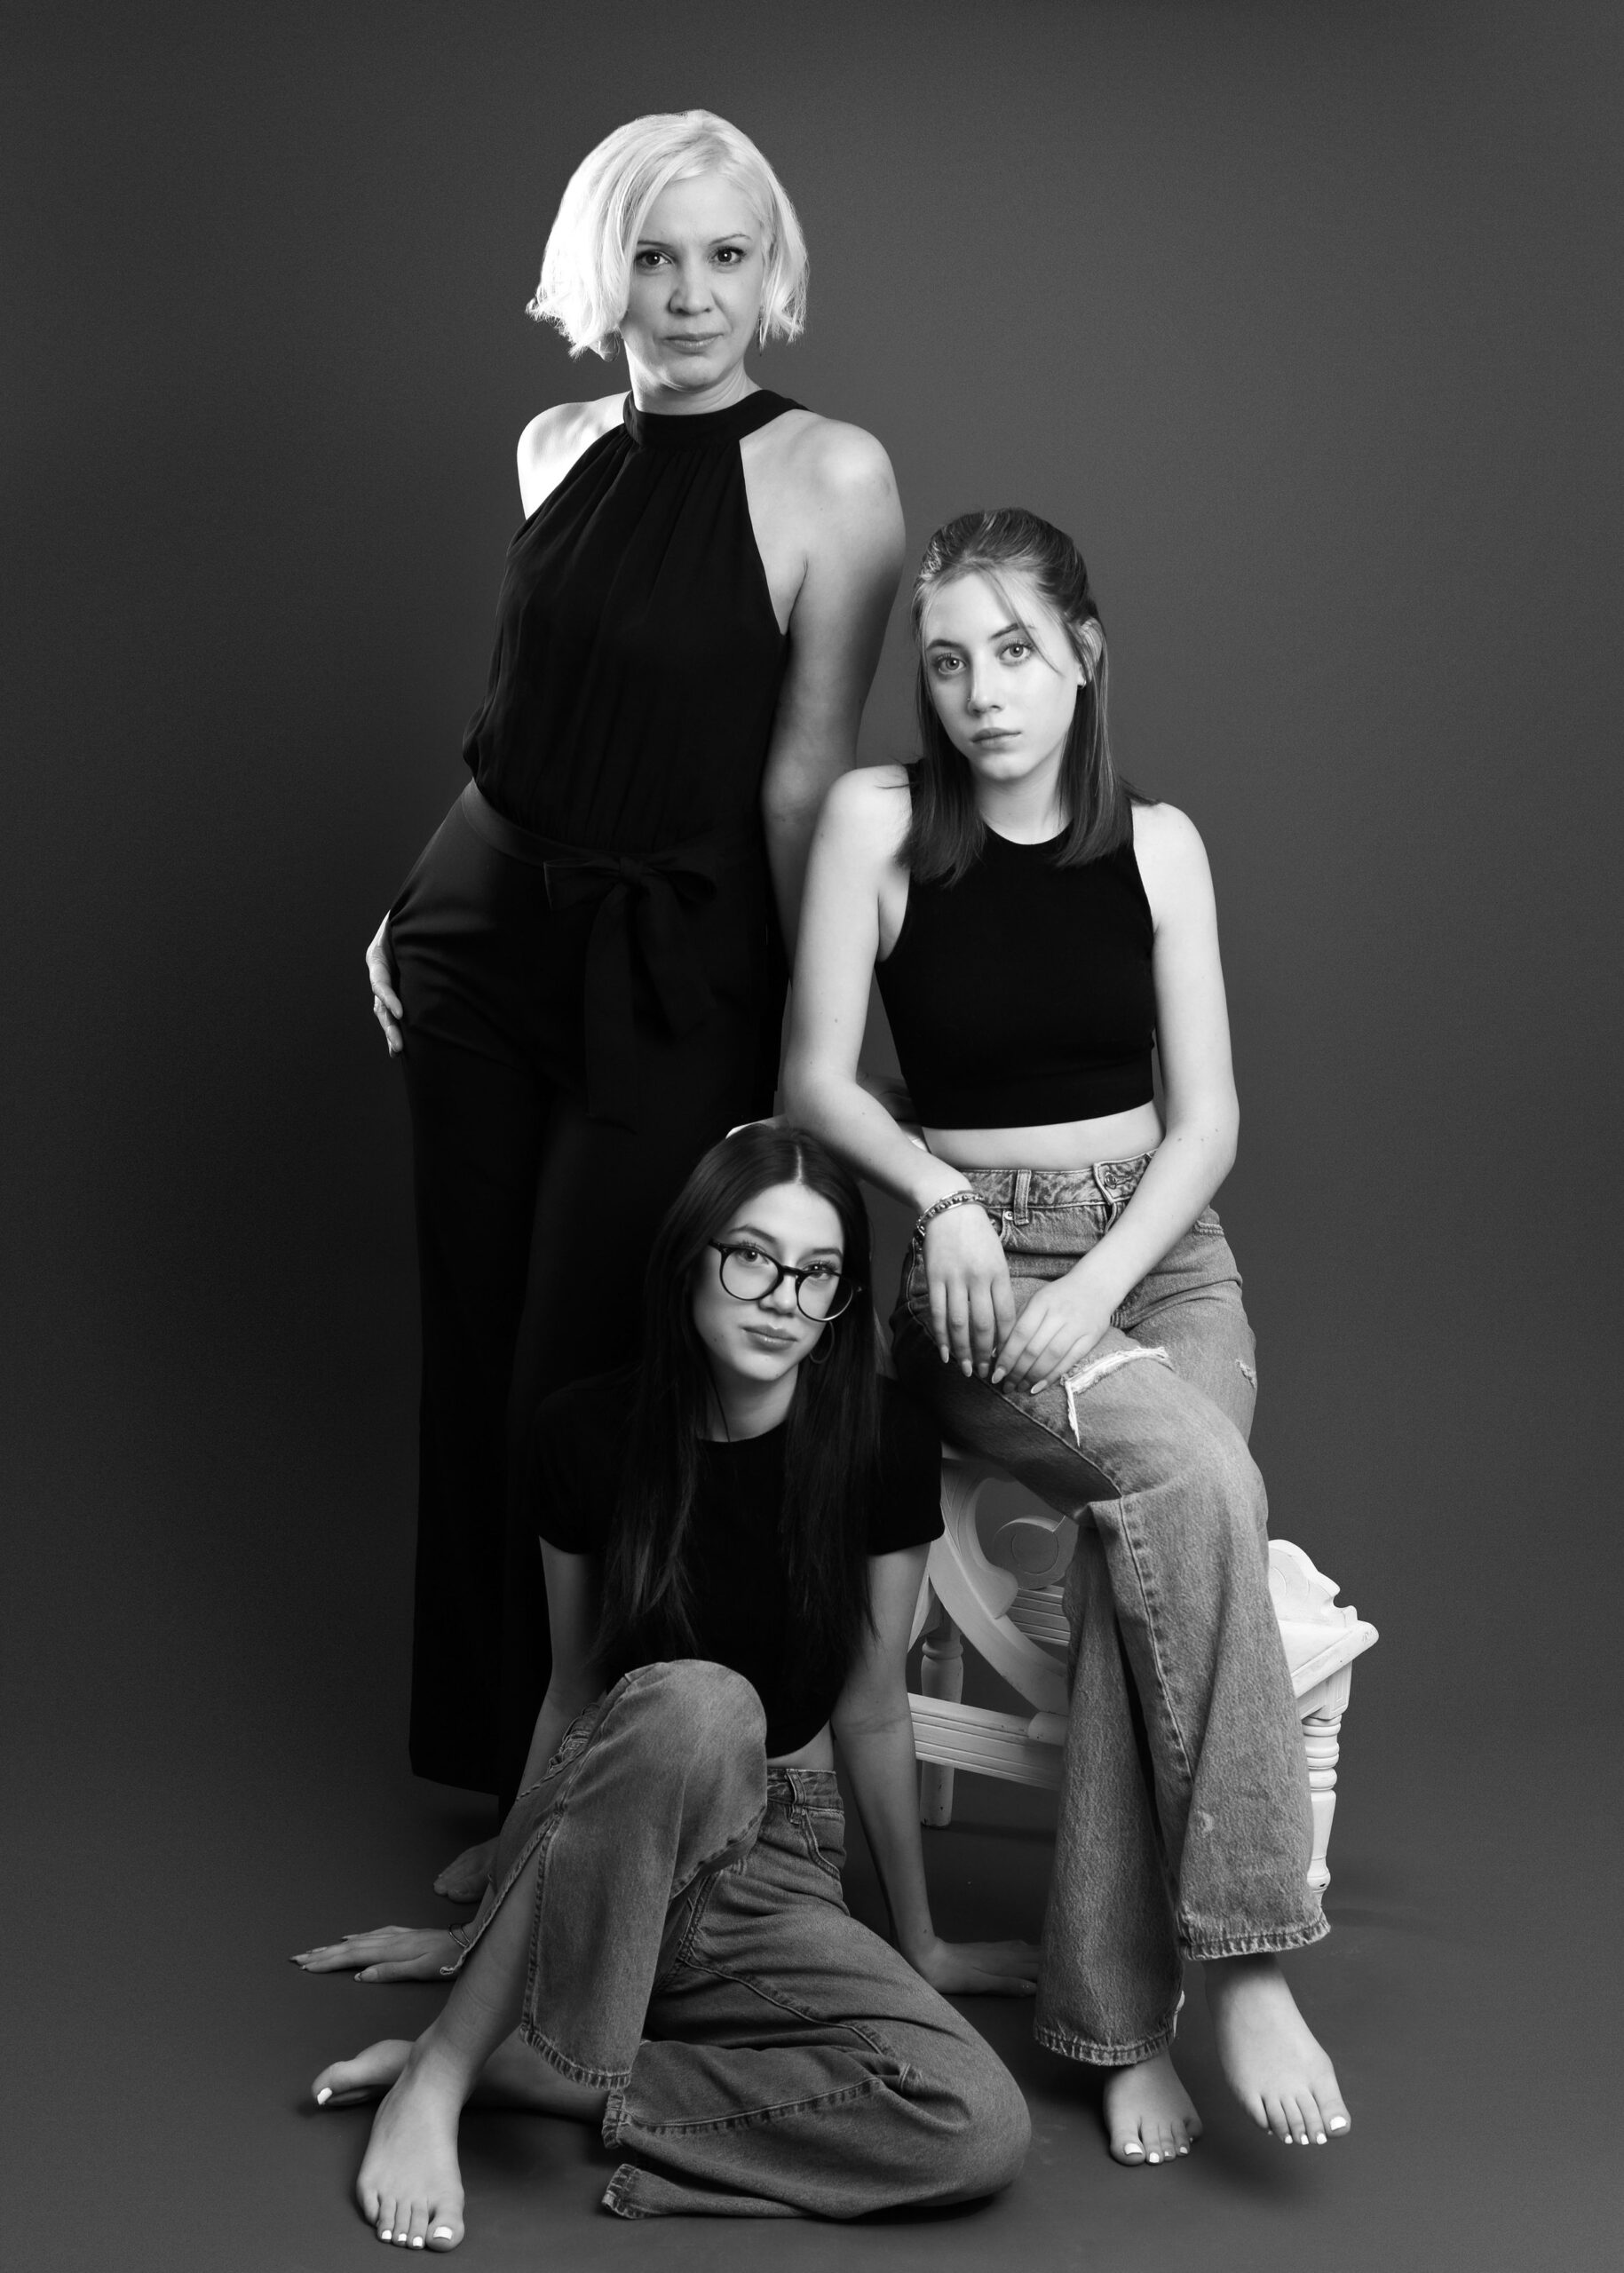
[1305,319]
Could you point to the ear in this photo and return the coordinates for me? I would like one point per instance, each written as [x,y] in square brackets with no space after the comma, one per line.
[1091,639]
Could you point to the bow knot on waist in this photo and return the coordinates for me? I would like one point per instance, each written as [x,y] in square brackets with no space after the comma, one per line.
[691,869]
[641,905]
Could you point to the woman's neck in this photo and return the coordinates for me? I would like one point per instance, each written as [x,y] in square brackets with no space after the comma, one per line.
[648,393]
[741,1409]
[1027,812]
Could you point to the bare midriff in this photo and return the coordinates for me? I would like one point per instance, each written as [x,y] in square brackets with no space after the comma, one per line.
[818,1752]
[1060,1144]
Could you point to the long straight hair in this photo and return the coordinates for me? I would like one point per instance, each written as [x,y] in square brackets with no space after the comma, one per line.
[947,831]
[831,1462]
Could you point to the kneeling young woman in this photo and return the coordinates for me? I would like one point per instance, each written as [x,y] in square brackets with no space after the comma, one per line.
[1071,1306]
[734,1535]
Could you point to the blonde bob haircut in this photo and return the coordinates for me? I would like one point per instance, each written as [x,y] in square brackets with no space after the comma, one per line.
[586,271]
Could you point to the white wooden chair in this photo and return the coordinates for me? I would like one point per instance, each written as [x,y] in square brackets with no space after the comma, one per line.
[1004,1599]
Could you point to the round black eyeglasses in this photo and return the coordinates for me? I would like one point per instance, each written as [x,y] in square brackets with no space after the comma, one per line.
[820,1291]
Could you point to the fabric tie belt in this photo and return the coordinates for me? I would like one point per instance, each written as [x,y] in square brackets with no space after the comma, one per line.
[642,902]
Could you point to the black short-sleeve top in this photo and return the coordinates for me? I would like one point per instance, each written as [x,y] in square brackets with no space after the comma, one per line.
[741,1610]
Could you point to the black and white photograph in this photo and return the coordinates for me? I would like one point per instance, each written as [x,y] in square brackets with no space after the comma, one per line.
[808,809]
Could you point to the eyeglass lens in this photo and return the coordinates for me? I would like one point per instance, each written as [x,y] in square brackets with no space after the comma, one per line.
[822,1293]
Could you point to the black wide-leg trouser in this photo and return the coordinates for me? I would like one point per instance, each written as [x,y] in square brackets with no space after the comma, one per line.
[534,1226]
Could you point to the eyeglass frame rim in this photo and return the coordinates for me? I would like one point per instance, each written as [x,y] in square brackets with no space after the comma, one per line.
[798,1271]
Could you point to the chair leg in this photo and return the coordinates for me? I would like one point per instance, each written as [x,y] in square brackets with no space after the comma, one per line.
[1320,1742]
[941,1675]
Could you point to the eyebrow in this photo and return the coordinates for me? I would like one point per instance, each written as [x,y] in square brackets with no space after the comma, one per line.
[664,244]
[750,1231]
[1003,628]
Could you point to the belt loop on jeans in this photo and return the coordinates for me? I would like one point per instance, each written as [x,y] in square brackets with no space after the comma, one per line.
[1021,1199]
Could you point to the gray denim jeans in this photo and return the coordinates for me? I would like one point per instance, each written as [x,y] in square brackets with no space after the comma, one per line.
[1185,1827]
[765,2056]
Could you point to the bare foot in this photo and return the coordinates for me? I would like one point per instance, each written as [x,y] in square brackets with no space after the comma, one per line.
[513,2077]
[464,1881]
[1150,2118]
[369,2076]
[1270,2062]
[410,2188]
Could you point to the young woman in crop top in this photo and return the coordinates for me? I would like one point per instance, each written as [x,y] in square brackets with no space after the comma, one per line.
[584,972]
[1071,1306]
[734,1536]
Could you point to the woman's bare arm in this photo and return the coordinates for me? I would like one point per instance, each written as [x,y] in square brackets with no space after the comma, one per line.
[853,868]
[874,1730]
[847,498]
[572,1620]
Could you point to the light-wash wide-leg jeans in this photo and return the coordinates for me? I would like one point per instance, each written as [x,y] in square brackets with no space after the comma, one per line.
[1185,1829]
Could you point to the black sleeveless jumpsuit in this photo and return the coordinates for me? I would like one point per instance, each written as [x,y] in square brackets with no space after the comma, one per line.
[593,984]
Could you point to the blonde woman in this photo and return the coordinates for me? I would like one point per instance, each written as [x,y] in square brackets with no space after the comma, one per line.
[584,972]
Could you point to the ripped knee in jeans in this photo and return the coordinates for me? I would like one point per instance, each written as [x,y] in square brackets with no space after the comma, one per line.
[1095,1369]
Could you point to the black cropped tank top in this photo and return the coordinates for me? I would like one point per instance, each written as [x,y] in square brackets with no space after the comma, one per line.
[1023,993]
[637,657]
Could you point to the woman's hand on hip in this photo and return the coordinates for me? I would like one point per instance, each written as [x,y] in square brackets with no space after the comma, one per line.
[1054,1333]
[386,1004]
[387,1953]
[972,1308]
[978,1968]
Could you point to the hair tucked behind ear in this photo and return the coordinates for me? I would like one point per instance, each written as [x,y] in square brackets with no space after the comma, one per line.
[945,835]
[832,1452]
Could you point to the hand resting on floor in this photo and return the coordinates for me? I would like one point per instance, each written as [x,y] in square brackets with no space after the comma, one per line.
[387,1953]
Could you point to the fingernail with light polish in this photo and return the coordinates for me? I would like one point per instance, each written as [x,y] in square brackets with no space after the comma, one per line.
[324,2094]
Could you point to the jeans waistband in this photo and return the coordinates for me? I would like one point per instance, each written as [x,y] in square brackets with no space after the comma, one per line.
[804,1788]
[1015,1192]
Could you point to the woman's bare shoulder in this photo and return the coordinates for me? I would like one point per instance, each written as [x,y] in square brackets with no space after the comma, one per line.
[1171,856]
[830,458]
[868,808]
[554,439]
[1158,828]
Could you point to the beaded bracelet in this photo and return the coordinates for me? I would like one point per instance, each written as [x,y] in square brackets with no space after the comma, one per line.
[940,1207]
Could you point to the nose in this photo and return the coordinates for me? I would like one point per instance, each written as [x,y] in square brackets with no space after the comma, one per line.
[690,289]
[982,694]
[782,1298]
